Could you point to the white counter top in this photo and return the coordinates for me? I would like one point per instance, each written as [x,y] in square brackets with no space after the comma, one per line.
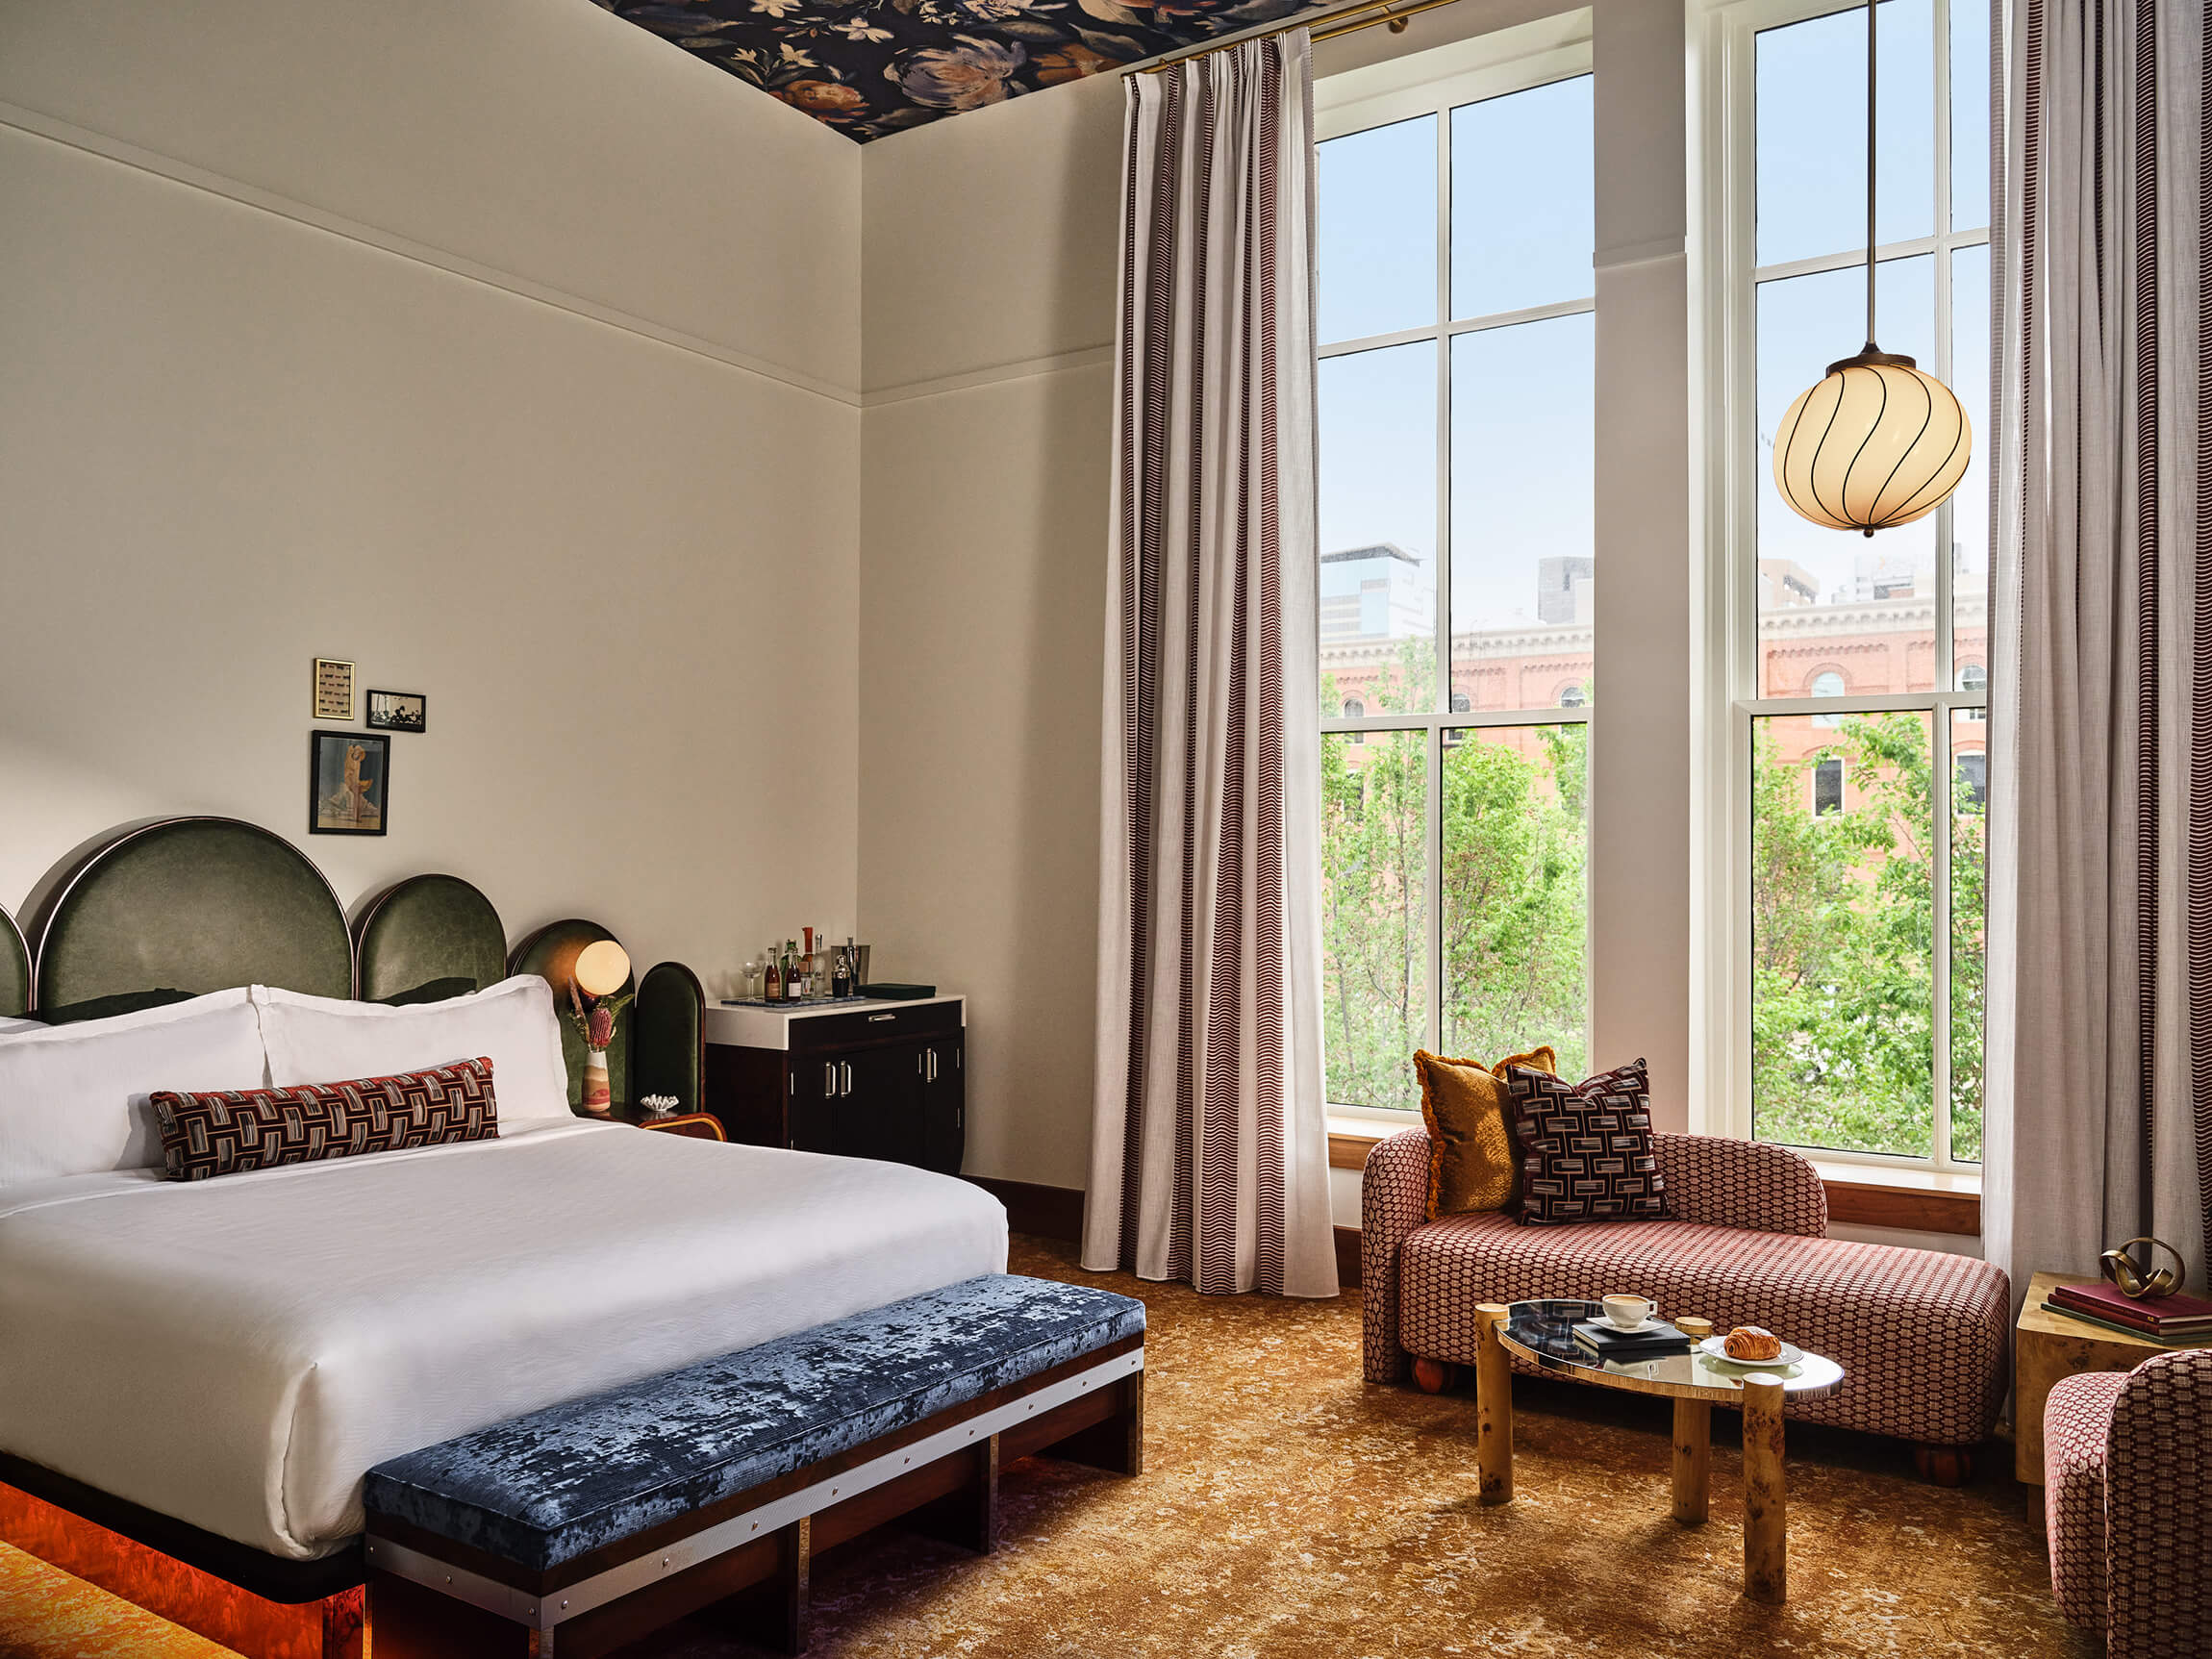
[751,1028]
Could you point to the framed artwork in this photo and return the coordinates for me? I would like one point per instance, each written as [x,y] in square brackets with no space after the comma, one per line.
[398,711]
[348,783]
[333,689]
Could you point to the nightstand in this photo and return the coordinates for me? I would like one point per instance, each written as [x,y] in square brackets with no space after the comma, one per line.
[692,1125]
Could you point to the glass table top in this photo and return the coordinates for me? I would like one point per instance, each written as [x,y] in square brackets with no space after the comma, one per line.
[1543,1331]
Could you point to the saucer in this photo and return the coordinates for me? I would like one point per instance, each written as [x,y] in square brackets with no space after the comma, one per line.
[1602,1322]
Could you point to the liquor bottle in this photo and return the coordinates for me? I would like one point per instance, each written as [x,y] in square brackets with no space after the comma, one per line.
[841,969]
[795,981]
[771,980]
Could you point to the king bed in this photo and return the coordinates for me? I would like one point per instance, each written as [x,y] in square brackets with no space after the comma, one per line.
[211,1367]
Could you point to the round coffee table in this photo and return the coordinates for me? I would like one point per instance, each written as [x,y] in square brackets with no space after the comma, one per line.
[1543,1332]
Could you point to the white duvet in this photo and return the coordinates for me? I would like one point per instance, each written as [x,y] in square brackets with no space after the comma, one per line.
[238,1352]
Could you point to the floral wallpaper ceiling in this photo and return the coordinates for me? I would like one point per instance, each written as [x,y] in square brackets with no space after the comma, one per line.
[869,68]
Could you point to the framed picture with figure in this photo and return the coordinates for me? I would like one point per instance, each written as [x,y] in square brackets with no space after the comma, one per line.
[348,783]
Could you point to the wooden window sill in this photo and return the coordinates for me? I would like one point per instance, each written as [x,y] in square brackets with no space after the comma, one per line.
[1914,1200]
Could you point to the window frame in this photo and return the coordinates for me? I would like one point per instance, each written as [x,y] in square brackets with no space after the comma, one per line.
[1733,470]
[1436,83]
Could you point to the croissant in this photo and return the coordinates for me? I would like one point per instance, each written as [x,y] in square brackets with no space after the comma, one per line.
[1754,1342]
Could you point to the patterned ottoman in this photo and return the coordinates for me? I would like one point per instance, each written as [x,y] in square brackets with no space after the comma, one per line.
[1921,1335]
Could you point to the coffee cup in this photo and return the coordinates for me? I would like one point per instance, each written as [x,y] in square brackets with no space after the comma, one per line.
[1627,1313]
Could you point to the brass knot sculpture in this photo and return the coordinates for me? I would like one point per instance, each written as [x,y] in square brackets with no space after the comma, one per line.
[2136,1283]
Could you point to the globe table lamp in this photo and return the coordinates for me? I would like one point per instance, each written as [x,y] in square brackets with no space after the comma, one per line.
[602,968]
[1878,441]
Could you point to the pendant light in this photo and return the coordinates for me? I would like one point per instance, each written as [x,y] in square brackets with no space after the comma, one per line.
[1878,441]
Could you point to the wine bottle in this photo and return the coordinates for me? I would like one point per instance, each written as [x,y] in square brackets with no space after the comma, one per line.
[771,980]
[794,983]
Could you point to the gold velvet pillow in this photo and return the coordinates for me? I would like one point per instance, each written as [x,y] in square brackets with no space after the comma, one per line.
[1472,1162]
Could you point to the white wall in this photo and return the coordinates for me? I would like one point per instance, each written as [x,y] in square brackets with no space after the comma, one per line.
[987,301]
[495,345]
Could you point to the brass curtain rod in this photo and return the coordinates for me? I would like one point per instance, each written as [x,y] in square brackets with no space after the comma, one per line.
[1349,21]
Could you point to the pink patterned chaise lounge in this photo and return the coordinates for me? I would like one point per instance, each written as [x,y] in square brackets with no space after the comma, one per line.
[1921,1336]
[2127,1493]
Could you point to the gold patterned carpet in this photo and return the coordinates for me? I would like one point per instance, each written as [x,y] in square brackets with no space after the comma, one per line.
[1289,1509]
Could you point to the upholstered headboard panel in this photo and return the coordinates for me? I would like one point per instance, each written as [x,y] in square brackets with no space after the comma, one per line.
[15,968]
[670,1018]
[428,927]
[551,953]
[194,904]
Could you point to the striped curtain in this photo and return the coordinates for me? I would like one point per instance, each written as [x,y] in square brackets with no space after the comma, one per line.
[1209,1156]
[2100,888]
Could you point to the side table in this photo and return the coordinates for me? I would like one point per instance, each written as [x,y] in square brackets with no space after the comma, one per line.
[692,1125]
[2048,1346]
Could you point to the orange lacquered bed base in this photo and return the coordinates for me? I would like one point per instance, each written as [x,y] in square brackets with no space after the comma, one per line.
[331,1628]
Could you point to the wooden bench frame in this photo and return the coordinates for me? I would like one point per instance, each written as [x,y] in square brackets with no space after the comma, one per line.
[431,1597]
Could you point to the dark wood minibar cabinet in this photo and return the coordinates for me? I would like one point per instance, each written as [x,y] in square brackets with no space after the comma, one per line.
[862,1080]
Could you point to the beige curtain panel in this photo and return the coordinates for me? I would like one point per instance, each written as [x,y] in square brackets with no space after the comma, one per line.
[2101,890]
[1210,1153]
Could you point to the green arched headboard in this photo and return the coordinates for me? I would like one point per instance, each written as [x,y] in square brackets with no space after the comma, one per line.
[428,927]
[551,954]
[194,904]
[15,968]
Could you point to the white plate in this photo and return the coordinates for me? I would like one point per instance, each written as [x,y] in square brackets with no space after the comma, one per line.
[1718,1348]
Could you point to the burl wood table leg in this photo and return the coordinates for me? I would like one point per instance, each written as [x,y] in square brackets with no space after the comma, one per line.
[1693,1459]
[1766,1500]
[1493,1409]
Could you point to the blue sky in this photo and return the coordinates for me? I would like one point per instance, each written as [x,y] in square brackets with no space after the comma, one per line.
[1521,399]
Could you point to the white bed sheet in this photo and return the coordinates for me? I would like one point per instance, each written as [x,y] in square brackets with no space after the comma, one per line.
[238,1352]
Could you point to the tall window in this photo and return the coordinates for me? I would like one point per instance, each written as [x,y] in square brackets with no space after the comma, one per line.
[1859,885]
[1455,314]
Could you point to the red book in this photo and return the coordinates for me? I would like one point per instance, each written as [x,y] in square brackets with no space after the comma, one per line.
[2164,1314]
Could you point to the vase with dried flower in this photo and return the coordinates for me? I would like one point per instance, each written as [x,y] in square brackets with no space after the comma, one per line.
[595,996]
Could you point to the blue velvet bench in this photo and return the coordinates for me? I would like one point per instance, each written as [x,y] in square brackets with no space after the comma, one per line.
[573,1530]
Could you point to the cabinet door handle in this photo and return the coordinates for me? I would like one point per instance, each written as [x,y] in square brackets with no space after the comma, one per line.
[845,1068]
[879,1019]
[921,1063]
[829,1080]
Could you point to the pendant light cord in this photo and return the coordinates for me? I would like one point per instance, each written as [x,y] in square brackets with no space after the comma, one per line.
[1871,62]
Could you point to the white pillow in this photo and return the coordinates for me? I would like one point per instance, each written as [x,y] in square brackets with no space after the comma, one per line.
[326,1040]
[73,1098]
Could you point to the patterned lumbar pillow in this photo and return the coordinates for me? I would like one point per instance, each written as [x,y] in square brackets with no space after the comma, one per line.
[1471,1161]
[231,1131]
[1585,1147]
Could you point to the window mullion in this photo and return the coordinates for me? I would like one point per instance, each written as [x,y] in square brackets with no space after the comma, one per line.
[1434,978]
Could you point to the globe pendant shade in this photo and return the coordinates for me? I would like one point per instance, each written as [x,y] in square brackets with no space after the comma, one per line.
[1875,444]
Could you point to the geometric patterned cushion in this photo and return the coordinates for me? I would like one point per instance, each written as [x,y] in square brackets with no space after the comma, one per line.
[1585,1147]
[1924,1337]
[228,1132]
[2076,1432]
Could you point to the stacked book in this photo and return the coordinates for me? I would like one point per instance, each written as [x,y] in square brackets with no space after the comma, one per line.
[1606,1341]
[2173,1322]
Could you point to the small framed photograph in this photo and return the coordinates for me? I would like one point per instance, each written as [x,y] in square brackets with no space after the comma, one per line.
[333,689]
[398,711]
[348,783]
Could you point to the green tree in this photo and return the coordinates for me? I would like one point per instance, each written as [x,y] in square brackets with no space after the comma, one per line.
[1843,1008]
[1513,884]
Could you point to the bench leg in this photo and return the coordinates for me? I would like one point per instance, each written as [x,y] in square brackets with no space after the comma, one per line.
[1943,1465]
[795,1570]
[1117,1444]
[970,1517]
